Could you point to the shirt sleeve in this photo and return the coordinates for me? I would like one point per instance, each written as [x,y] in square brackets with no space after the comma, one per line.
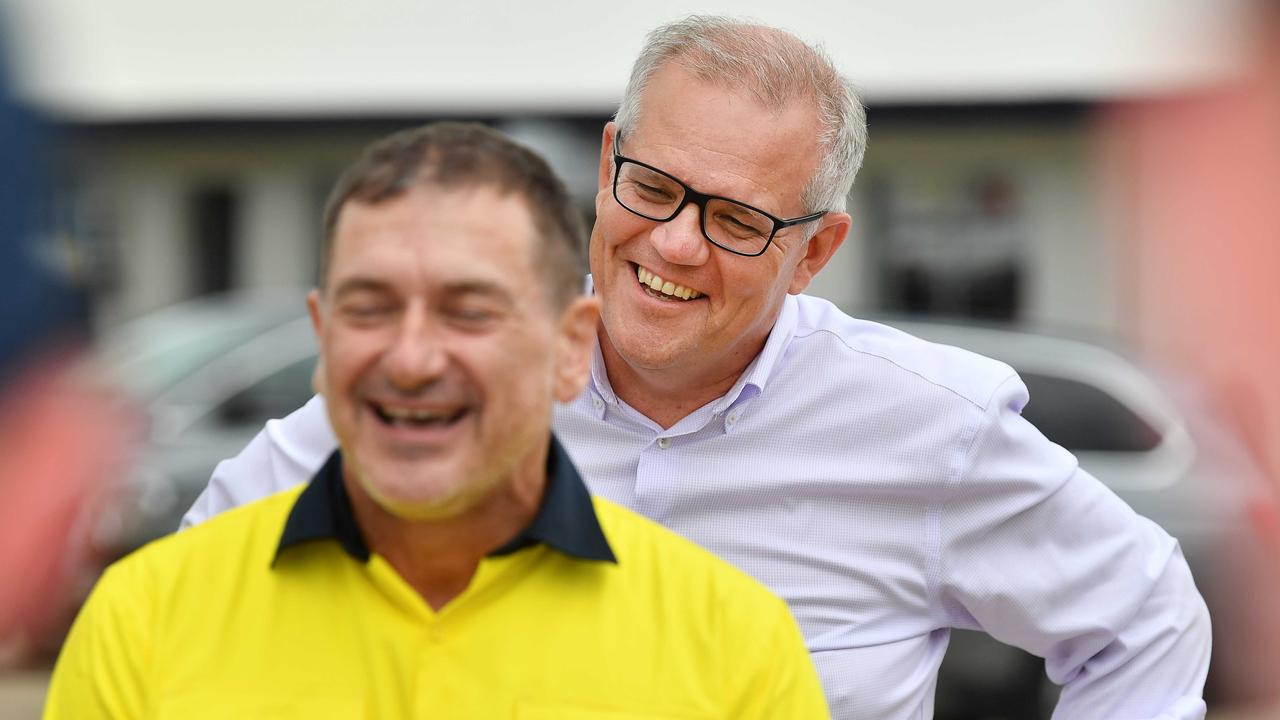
[285,453]
[101,670]
[781,683]
[1041,555]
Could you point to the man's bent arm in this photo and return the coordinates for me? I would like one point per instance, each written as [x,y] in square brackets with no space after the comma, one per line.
[1041,555]
[286,452]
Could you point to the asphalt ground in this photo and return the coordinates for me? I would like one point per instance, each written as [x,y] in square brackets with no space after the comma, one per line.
[22,694]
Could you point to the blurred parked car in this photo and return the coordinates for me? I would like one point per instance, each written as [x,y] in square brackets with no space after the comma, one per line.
[211,372]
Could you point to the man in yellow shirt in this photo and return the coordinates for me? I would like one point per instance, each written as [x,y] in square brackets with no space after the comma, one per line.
[447,560]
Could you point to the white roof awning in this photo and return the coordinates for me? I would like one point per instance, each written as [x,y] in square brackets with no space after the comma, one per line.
[127,60]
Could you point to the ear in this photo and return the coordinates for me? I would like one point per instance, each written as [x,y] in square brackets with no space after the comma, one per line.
[606,155]
[314,309]
[574,344]
[819,249]
[316,312]
[317,377]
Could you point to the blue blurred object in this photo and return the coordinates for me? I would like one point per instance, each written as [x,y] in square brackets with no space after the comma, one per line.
[38,305]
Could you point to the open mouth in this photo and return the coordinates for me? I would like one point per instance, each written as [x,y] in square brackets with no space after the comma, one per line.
[664,289]
[418,417]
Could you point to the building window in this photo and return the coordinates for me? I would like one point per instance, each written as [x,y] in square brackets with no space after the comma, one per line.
[213,209]
[950,248]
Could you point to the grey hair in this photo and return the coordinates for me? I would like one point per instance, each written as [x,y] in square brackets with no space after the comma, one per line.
[774,66]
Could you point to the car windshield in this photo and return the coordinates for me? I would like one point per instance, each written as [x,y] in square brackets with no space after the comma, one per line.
[1083,418]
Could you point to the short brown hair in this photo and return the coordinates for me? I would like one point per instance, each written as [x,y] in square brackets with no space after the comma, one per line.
[454,156]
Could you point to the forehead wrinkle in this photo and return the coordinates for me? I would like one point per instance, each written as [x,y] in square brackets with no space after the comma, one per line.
[481,287]
[456,286]
[358,283]
[453,275]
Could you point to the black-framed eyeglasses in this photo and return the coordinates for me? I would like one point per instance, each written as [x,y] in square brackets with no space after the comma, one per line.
[657,195]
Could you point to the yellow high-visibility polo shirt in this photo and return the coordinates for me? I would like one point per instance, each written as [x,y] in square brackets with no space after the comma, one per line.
[277,609]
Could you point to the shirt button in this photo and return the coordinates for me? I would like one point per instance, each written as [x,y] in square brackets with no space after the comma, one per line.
[733,417]
[664,443]
[597,402]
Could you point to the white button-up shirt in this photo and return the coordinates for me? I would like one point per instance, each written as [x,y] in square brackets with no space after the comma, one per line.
[889,490]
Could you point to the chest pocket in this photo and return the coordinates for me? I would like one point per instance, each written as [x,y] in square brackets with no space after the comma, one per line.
[226,706]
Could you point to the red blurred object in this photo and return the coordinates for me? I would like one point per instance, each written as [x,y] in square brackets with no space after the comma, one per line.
[65,444]
[1198,175]
[1266,521]
[1196,186]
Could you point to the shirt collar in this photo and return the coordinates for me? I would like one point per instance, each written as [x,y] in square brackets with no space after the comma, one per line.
[756,376]
[565,521]
[599,379]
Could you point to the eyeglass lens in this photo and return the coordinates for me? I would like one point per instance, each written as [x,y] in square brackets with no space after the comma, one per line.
[658,197]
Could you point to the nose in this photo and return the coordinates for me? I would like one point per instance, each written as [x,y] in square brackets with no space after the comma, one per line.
[417,356]
[679,240]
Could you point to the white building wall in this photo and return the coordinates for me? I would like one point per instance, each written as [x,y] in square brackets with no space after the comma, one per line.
[152,238]
[1069,278]
[276,229]
[1074,276]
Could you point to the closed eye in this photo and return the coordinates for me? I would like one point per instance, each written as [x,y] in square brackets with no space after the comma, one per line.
[363,311]
[476,306]
[654,193]
[474,317]
[737,226]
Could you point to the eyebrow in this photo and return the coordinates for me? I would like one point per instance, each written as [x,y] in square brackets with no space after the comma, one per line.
[357,284]
[477,287]
[483,288]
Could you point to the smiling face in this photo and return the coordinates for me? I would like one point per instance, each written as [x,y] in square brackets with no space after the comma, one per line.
[441,349]
[672,303]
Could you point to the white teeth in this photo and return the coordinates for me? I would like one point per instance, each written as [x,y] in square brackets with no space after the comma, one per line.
[412,415]
[665,287]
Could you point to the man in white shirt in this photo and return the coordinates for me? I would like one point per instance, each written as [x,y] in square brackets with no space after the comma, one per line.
[887,488]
